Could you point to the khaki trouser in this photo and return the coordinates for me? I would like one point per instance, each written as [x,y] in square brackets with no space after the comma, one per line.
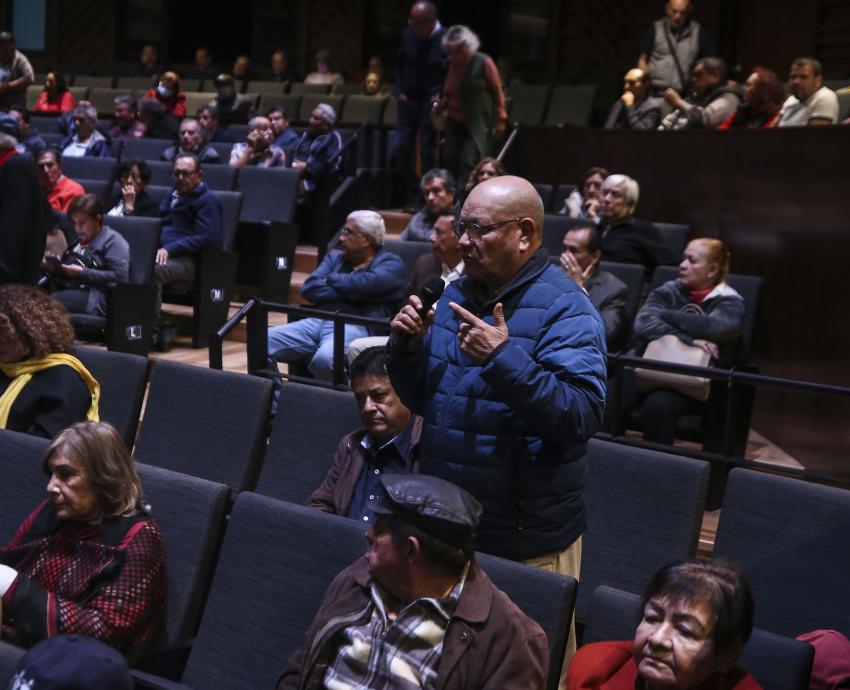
[566,562]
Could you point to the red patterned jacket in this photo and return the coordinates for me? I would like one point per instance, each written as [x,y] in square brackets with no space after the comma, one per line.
[106,581]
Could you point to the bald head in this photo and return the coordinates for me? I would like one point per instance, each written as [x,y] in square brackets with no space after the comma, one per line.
[423,19]
[508,196]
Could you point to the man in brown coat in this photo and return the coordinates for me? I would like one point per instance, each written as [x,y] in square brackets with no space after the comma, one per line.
[417,611]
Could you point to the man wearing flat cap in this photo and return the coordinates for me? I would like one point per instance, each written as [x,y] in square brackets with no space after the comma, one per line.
[417,611]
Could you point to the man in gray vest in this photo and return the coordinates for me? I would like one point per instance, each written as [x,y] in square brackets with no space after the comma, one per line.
[672,46]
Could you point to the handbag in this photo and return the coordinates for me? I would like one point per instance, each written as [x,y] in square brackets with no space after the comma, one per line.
[668,348]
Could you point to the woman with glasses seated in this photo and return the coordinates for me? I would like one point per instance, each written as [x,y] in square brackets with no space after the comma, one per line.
[696,618]
[133,198]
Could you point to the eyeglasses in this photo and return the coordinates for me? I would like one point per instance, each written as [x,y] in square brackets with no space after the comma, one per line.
[475,231]
[184,173]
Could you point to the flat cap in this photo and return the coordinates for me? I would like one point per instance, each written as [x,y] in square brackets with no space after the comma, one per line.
[440,508]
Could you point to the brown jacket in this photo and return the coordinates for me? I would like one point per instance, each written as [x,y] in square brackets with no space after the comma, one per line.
[337,490]
[490,643]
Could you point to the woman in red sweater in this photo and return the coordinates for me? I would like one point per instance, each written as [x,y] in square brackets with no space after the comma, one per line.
[55,98]
[697,616]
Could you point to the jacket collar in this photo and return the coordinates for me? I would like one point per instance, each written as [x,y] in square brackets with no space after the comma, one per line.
[526,275]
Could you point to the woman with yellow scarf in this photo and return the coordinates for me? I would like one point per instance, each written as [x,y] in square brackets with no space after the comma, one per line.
[43,387]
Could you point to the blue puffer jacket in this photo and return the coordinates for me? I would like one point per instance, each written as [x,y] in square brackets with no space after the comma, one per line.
[512,431]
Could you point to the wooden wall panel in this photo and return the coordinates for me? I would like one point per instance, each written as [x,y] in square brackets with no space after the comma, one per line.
[85,34]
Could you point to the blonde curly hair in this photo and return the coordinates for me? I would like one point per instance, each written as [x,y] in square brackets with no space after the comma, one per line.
[39,321]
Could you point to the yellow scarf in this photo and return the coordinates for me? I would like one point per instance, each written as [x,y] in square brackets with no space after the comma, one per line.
[21,373]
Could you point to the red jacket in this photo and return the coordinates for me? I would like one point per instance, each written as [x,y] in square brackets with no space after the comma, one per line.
[57,105]
[611,666]
[176,105]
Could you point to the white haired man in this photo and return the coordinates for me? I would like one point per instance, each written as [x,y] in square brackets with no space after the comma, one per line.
[358,278]
[626,239]
[315,153]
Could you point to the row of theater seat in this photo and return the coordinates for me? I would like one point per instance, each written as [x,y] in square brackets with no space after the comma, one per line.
[644,509]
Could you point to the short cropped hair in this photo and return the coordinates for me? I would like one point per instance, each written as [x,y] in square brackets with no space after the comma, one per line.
[129,101]
[371,362]
[714,66]
[106,463]
[594,236]
[369,223]
[817,67]
[88,204]
[716,583]
[87,111]
[186,154]
[631,191]
[461,35]
[439,174]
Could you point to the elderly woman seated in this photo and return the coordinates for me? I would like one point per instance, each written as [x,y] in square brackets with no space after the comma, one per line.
[696,618]
[100,259]
[702,311]
[43,387]
[89,559]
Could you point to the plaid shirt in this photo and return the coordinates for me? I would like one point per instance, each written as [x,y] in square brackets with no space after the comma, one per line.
[399,654]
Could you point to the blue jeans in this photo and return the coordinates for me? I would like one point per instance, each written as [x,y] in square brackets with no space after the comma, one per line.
[312,338]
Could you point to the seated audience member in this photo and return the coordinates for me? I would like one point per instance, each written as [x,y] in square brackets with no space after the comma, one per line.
[191,220]
[672,46]
[257,149]
[158,123]
[94,529]
[148,63]
[43,387]
[168,92]
[285,137]
[323,73]
[67,662]
[125,122]
[438,189]
[696,618]
[810,103]
[191,140]
[29,142]
[60,190]
[204,65]
[55,98]
[229,106]
[242,72]
[133,199]
[387,445]
[701,310]
[764,95]
[373,85]
[636,108]
[609,294]
[584,200]
[86,141]
[710,103]
[15,73]
[485,169]
[315,154]
[626,239]
[100,259]
[207,115]
[280,68]
[419,598]
[360,277]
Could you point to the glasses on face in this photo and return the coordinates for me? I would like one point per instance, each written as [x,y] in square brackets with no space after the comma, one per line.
[184,173]
[476,231]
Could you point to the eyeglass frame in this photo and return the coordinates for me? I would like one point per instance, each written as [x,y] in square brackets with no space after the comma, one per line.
[461,227]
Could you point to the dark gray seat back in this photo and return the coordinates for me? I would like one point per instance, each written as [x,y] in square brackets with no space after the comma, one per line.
[146,149]
[26,482]
[142,234]
[88,168]
[644,509]
[408,251]
[9,657]
[778,663]
[790,538]
[269,194]
[205,423]
[309,424]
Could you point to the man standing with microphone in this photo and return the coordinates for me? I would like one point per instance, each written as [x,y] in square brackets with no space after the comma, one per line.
[508,373]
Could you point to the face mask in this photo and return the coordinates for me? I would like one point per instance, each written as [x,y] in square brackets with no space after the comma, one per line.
[163,91]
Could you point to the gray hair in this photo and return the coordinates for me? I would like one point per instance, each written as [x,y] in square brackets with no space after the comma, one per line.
[631,189]
[328,113]
[369,223]
[817,68]
[461,35]
[129,101]
[439,174]
[87,111]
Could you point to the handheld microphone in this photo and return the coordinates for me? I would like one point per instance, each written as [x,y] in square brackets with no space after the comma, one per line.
[430,293]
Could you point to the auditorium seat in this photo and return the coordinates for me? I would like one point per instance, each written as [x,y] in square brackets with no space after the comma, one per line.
[33,92]
[269,194]
[348,89]
[644,509]
[88,168]
[790,539]
[390,112]
[129,311]
[43,124]
[632,276]
[300,551]
[264,87]
[80,93]
[103,99]
[309,424]
[20,467]
[239,131]
[311,100]
[190,513]
[555,226]
[100,188]
[142,84]
[300,87]
[529,103]
[561,193]
[9,657]
[408,251]
[545,192]
[93,82]
[205,423]
[360,109]
[122,378]
[224,149]
[570,105]
[778,663]
[146,149]
[291,103]
[675,236]
[197,99]
[161,171]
